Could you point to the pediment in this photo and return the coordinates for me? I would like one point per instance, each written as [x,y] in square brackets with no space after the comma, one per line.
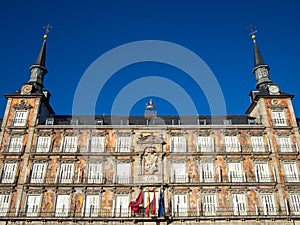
[151,139]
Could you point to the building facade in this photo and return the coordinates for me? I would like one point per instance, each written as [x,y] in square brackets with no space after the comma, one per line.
[148,169]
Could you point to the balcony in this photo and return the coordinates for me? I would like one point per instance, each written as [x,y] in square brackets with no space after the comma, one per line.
[287,149]
[280,122]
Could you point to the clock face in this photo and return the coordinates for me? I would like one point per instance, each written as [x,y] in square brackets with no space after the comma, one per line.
[26,89]
[273,89]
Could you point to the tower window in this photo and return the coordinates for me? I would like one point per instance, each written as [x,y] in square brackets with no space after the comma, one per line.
[279,118]
[290,172]
[8,174]
[15,144]
[285,144]
[262,172]
[69,144]
[257,144]
[4,204]
[38,172]
[295,203]
[20,118]
[43,144]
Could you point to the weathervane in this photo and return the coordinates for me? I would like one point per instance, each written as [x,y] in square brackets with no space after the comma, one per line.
[253,30]
[47,30]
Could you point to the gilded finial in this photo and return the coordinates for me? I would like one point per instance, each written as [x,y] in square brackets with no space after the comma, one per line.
[253,30]
[47,30]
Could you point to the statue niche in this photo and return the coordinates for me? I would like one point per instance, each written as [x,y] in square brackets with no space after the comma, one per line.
[150,160]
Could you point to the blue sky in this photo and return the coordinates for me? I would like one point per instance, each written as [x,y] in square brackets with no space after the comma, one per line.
[217,31]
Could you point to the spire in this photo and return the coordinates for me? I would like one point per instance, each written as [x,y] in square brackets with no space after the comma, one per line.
[261,69]
[150,110]
[38,69]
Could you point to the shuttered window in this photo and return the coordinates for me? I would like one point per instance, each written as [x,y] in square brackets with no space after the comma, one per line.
[239,204]
[205,144]
[178,144]
[123,144]
[268,204]
[92,205]
[66,173]
[95,174]
[33,205]
[97,144]
[290,172]
[180,205]
[178,173]
[62,205]
[231,144]
[285,144]
[121,206]
[209,204]
[43,144]
[70,144]
[262,172]
[4,204]
[257,144]
[20,118]
[8,173]
[38,172]
[279,118]
[235,173]
[295,203]
[207,172]
[123,173]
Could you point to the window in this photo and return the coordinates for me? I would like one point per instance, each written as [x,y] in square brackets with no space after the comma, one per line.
[8,173]
[151,200]
[180,205]
[97,144]
[285,144]
[33,205]
[123,144]
[268,204]
[20,118]
[279,118]
[92,205]
[295,203]
[227,121]
[69,144]
[205,144]
[74,122]
[38,173]
[262,172]
[207,172]
[121,206]
[178,144]
[235,173]
[49,121]
[43,144]
[4,204]
[231,144]
[15,144]
[66,173]
[209,204]
[62,205]
[290,172]
[178,173]
[95,173]
[123,173]
[257,144]
[239,204]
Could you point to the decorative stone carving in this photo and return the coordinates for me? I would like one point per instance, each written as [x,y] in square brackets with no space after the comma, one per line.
[150,160]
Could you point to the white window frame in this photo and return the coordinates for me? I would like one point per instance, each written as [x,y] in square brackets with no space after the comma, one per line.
[179,172]
[262,172]
[66,173]
[279,118]
[121,204]
[205,144]
[15,143]
[285,144]
[4,204]
[8,174]
[97,143]
[268,204]
[20,117]
[235,172]
[95,173]
[291,173]
[232,144]
[294,201]
[178,143]
[123,173]
[123,144]
[33,205]
[69,144]
[180,202]
[239,204]
[62,206]
[38,173]
[257,144]
[92,205]
[209,204]
[207,171]
[43,143]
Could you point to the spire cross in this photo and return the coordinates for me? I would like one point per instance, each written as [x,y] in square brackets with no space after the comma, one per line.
[47,30]
[252,29]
